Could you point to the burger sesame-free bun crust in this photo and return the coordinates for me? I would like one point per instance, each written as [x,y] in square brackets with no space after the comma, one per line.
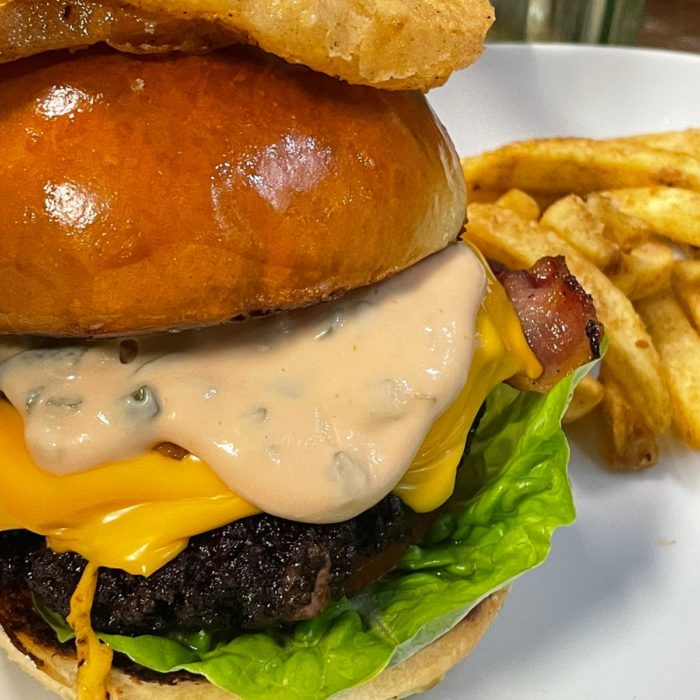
[147,193]
[412,44]
[57,671]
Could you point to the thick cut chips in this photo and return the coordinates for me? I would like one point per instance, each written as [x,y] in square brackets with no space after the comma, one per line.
[629,244]
[563,166]
[679,346]
[504,236]
[670,211]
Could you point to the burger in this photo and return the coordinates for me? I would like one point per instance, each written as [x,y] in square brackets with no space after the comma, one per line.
[254,439]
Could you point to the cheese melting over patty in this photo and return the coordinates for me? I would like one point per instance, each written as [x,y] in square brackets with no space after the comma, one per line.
[313,415]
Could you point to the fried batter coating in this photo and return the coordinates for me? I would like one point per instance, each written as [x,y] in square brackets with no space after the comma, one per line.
[29,27]
[394,44]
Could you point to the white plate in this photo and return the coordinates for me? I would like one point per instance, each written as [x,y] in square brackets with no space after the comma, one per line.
[615,611]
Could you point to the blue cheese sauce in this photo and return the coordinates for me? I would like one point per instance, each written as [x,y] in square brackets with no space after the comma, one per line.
[313,414]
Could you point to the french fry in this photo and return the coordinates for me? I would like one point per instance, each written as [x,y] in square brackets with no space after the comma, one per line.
[625,230]
[631,444]
[504,236]
[496,231]
[686,141]
[690,252]
[587,395]
[686,285]
[563,166]
[622,211]
[475,193]
[670,211]
[644,271]
[678,344]
[521,203]
[573,221]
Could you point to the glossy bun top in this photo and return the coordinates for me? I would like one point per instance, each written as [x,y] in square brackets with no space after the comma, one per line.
[148,193]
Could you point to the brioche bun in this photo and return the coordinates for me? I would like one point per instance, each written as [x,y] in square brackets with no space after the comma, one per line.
[57,669]
[150,193]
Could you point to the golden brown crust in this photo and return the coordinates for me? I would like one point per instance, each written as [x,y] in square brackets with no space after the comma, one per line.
[57,671]
[29,27]
[412,44]
[148,193]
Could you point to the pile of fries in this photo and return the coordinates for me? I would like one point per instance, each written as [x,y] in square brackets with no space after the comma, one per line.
[626,215]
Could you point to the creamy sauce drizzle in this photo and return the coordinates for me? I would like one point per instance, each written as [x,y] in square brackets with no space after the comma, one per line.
[313,414]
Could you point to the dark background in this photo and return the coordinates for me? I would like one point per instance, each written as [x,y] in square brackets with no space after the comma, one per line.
[671,24]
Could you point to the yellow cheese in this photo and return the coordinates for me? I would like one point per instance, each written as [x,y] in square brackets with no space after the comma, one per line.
[138,514]
[501,351]
[94,657]
[134,515]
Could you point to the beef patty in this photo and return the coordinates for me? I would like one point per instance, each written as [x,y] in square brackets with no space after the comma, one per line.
[250,573]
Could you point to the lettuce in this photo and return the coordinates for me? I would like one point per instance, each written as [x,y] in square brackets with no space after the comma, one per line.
[513,492]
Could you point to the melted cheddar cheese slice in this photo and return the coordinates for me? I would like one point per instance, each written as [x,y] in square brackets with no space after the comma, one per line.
[138,514]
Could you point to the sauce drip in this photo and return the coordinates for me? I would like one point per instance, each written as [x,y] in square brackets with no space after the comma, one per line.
[94,657]
[313,414]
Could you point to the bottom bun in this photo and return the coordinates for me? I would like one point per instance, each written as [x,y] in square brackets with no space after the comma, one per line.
[56,669]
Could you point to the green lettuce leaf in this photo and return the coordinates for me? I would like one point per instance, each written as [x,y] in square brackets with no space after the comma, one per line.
[513,492]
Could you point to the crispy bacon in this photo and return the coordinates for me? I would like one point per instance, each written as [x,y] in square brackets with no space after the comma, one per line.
[557,316]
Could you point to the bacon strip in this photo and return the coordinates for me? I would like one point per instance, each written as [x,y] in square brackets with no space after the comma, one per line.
[557,316]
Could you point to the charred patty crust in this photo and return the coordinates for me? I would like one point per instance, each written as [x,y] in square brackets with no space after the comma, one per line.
[251,573]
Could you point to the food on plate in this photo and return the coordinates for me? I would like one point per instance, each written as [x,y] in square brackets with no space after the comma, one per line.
[686,285]
[405,45]
[625,231]
[631,444]
[505,237]
[632,245]
[645,270]
[579,166]
[520,202]
[683,141]
[160,267]
[573,220]
[587,395]
[679,346]
[541,293]
[28,27]
[244,352]
[669,211]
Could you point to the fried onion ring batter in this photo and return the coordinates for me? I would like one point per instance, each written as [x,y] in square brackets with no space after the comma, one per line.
[412,44]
